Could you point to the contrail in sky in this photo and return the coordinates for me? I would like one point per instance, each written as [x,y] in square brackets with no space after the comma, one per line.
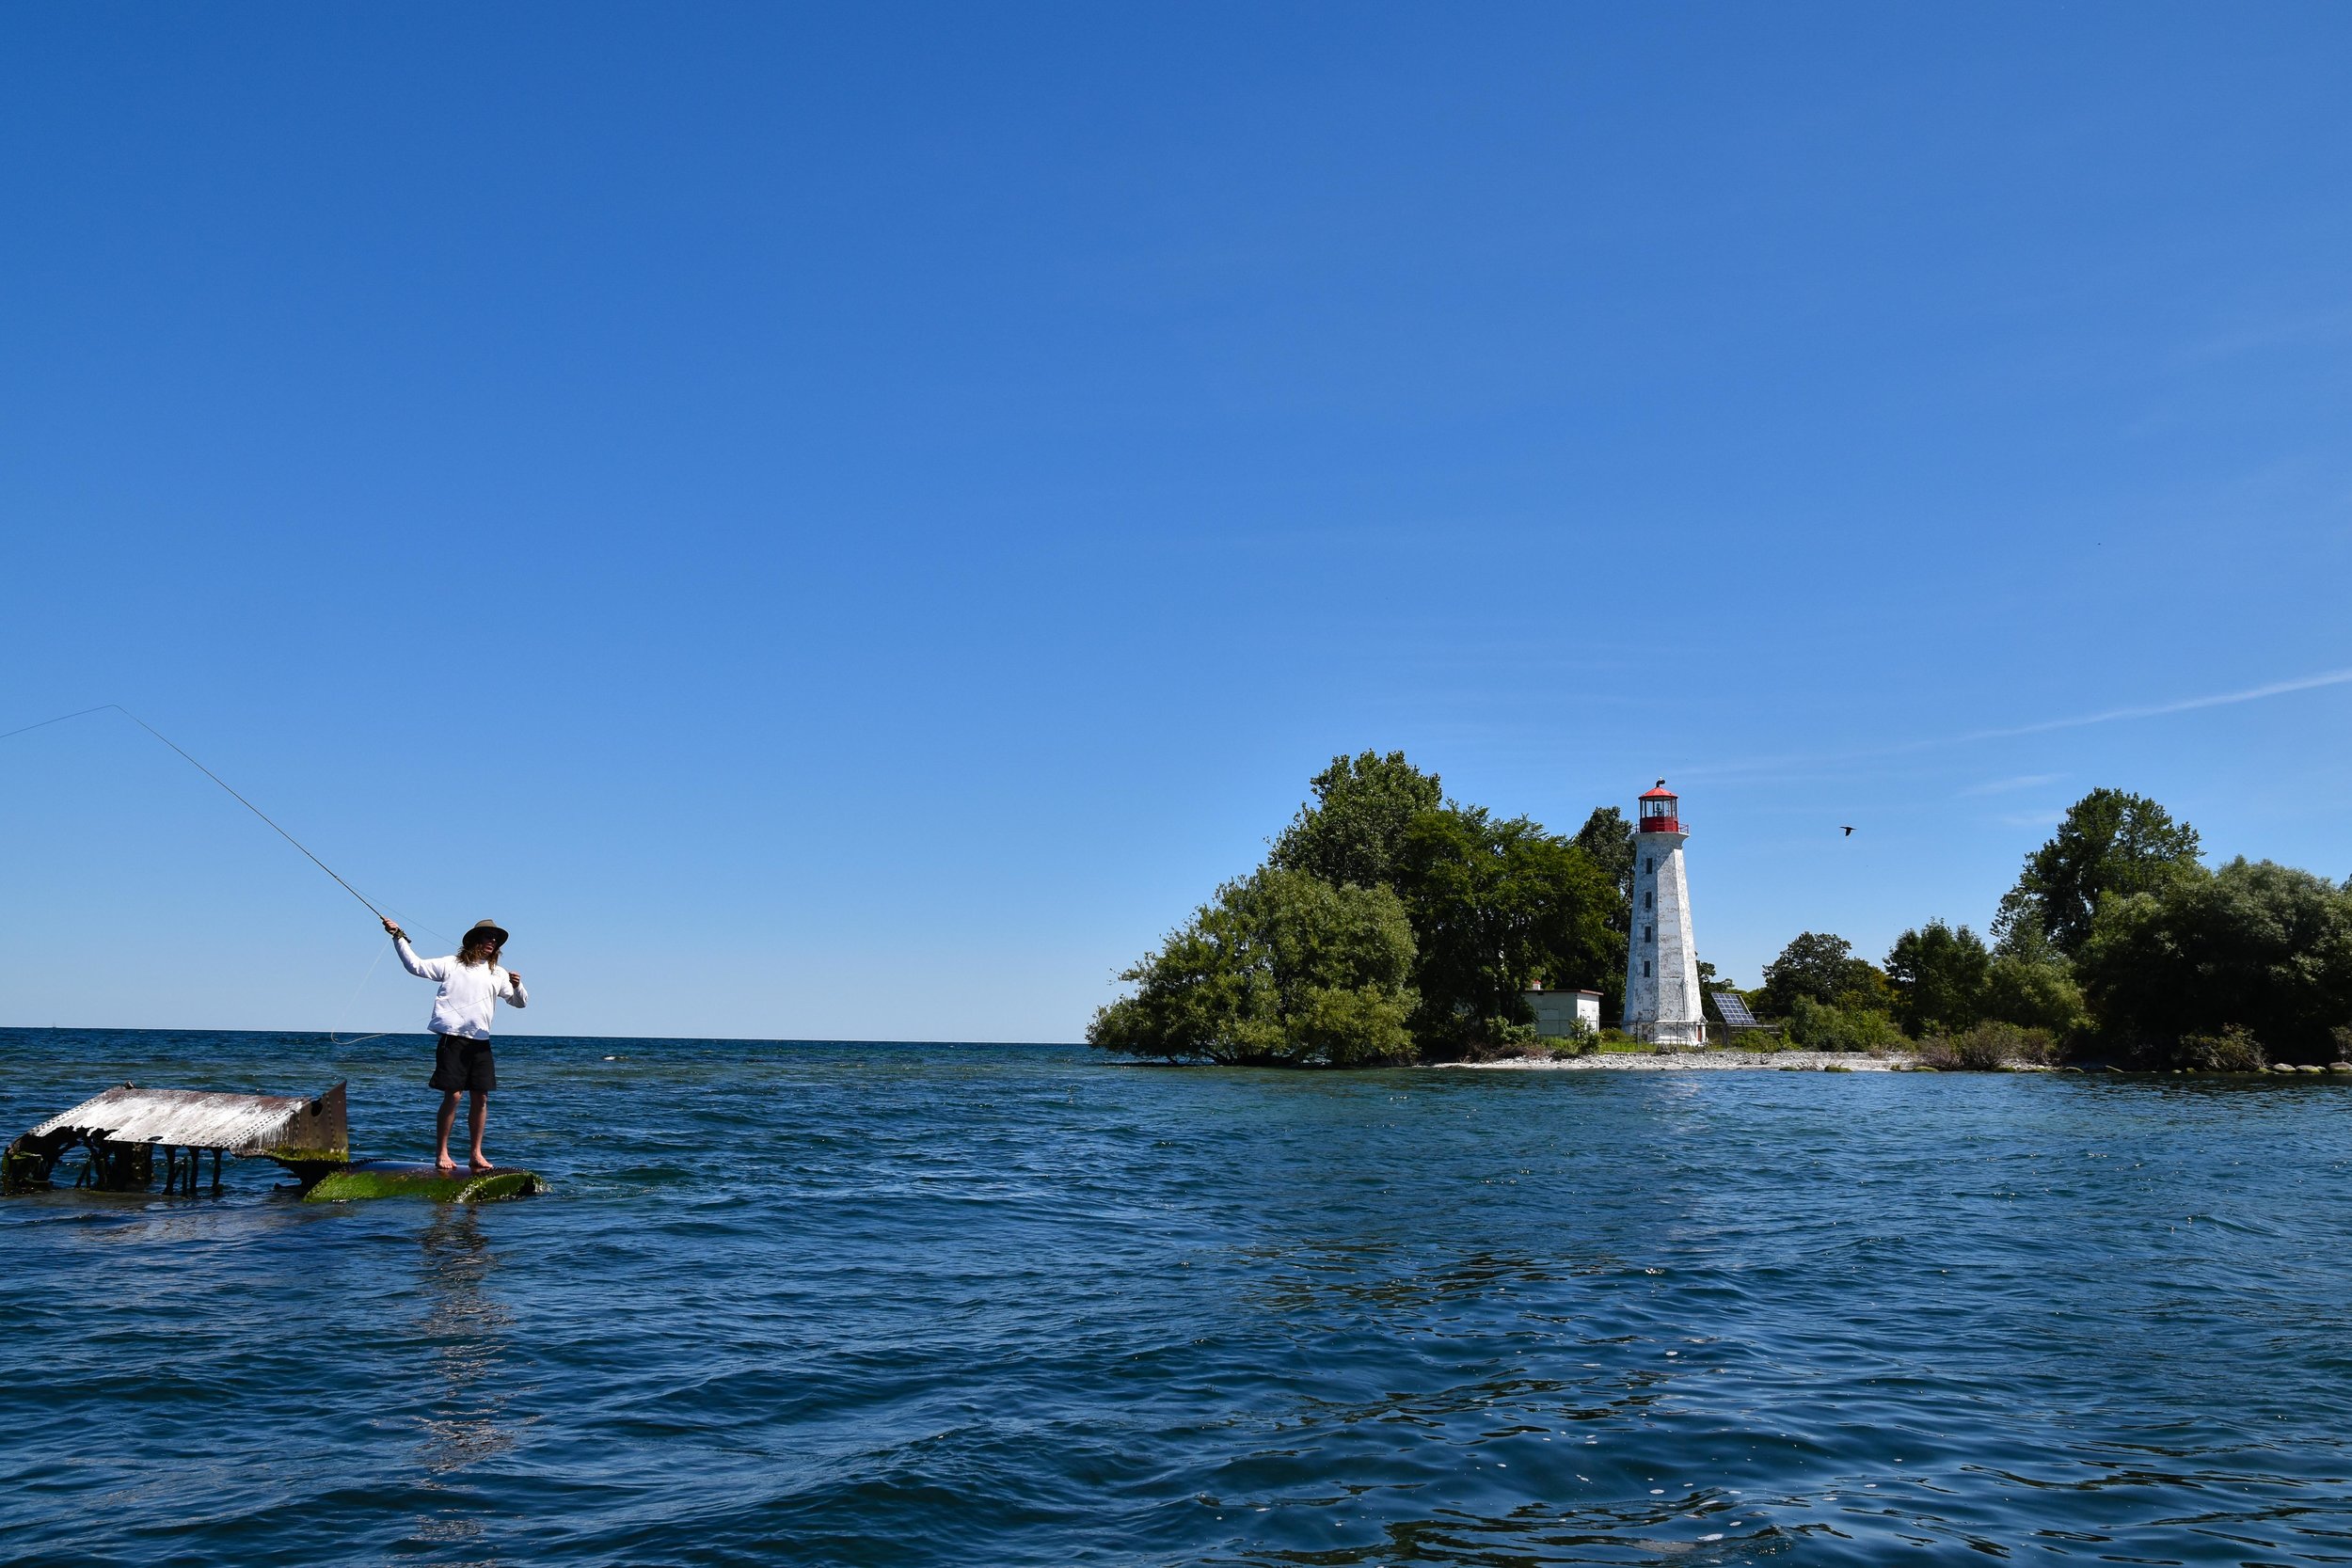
[2152,710]
[2108,716]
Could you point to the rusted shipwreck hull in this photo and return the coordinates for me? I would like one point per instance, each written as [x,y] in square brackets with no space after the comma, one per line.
[132,1134]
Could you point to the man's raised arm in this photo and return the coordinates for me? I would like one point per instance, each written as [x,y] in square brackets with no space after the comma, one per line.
[424,969]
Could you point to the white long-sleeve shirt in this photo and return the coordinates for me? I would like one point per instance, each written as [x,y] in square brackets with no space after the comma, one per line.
[469,993]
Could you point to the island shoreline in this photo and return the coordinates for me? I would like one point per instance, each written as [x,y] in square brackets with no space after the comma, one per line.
[1700,1061]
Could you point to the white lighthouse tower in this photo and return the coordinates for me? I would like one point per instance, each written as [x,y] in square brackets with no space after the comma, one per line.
[1662,1003]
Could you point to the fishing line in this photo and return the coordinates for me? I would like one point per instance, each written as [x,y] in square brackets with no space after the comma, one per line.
[353,998]
[58,719]
[223,783]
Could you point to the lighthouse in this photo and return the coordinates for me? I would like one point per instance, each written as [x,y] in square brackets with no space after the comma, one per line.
[1662,1003]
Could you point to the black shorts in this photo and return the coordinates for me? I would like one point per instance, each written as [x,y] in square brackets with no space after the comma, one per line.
[459,1063]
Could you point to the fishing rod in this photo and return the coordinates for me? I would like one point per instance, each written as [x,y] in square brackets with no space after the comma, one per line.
[216,779]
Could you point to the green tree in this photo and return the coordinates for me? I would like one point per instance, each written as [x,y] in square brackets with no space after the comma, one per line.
[1823,1026]
[1607,840]
[2034,994]
[2257,945]
[1938,974]
[1822,966]
[2109,842]
[1351,830]
[1495,904]
[2030,982]
[1284,969]
[2017,933]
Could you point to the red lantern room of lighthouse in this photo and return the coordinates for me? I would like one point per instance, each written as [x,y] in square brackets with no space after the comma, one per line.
[1662,811]
[1661,967]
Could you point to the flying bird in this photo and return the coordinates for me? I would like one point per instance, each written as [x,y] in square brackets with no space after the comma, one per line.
[1849,830]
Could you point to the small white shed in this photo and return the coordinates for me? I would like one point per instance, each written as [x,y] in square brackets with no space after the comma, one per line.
[1562,1013]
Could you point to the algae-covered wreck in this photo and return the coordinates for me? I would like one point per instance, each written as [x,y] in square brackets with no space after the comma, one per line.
[130,1136]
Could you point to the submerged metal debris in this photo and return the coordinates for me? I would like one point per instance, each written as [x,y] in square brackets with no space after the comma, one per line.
[130,1133]
[126,1127]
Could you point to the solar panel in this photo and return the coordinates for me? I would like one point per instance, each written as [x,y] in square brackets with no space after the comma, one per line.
[1734,1010]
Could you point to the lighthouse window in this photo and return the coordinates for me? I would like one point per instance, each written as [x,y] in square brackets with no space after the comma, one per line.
[1649,866]
[1649,933]
[1646,900]
[1644,969]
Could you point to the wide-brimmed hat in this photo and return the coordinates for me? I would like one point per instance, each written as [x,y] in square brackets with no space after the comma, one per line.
[490,928]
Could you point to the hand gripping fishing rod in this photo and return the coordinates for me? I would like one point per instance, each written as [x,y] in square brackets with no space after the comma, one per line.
[216,779]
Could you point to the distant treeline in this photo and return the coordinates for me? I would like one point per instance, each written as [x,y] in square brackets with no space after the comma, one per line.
[1387,925]
[2117,942]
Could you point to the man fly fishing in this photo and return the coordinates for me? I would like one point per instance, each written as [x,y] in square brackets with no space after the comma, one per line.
[471,986]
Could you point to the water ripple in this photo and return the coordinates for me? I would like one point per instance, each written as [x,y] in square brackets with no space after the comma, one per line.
[991,1306]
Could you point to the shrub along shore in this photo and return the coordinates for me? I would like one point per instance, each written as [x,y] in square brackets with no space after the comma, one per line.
[1794,1059]
[2116,947]
[1721,1060]
[1390,925]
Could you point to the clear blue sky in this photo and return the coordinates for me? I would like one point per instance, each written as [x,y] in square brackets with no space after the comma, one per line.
[847,522]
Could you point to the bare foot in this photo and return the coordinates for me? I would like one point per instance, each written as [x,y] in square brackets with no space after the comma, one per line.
[479,1164]
[446,1166]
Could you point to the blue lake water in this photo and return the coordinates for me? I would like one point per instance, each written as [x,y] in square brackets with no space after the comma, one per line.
[941,1305]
